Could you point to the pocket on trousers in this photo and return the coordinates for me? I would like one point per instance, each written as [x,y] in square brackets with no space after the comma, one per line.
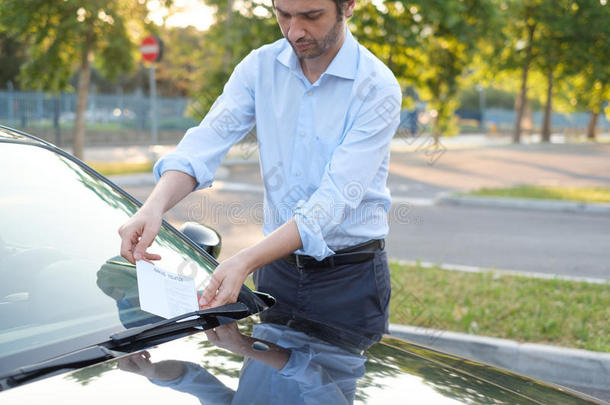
[382,280]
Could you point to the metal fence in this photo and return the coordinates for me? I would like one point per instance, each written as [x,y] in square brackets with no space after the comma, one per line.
[124,119]
[110,119]
[505,119]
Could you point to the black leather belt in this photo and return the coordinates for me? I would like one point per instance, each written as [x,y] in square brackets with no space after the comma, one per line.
[351,255]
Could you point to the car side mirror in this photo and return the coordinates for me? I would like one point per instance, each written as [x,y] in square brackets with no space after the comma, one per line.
[206,238]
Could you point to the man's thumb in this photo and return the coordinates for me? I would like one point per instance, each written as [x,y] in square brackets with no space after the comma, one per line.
[146,240]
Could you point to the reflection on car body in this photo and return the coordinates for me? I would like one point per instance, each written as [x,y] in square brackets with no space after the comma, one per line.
[312,371]
[71,327]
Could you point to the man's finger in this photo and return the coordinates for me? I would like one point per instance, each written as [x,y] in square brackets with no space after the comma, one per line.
[212,336]
[126,247]
[210,292]
[148,236]
[223,297]
[142,361]
[151,256]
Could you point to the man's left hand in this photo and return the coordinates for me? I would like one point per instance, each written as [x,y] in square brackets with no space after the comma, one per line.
[225,284]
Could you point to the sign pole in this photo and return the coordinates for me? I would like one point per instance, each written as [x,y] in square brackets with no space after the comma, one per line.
[152,51]
[153,105]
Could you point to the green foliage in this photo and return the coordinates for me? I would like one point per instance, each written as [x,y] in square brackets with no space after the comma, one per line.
[580,194]
[11,58]
[183,60]
[440,48]
[226,43]
[494,98]
[428,45]
[570,37]
[587,69]
[59,34]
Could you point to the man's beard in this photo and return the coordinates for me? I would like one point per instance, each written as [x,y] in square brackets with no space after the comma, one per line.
[318,48]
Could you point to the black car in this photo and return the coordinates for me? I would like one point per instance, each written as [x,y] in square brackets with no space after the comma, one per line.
[72,331]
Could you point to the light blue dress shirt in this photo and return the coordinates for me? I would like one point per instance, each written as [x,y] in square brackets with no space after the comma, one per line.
[324,147]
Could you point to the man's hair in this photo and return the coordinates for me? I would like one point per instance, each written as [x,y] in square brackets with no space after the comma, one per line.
[338,3]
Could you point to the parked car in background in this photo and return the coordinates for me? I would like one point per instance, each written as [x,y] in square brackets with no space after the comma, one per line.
[72,331]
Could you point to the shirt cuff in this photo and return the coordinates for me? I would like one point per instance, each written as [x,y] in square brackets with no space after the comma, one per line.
[297,364]
[190,372]
[308,224]
[181,163]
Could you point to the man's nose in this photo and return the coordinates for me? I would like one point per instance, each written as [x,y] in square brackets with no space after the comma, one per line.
[296,29]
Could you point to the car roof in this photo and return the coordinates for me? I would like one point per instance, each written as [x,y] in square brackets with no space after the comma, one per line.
[10,134]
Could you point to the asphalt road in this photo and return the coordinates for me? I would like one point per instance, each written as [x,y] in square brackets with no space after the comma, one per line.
[574,244]
[547,242]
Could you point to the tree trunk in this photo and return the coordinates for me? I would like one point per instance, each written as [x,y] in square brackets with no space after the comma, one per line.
[521,100]
[436,131]
[548,109]
[226,58]
[84,77]
[592,125]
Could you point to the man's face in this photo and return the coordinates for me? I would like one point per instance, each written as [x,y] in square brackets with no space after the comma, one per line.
[311,26]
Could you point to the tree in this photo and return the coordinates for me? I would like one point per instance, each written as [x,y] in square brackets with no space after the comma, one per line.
[564,41]
[588,70]
[178,71]
[232,36]
[429,45]
[572,34]
[11,59]
[520,35]
[554,24]
[64,36]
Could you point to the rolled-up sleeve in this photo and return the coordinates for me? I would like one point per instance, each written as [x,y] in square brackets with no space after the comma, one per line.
[231,117]
[351,170]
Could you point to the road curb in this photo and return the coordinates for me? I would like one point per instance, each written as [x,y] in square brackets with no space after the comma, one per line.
[148,179]
[526,204]
[503,272]
[563,366]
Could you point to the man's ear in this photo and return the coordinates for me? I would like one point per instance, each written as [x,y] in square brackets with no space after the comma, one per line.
[348,8]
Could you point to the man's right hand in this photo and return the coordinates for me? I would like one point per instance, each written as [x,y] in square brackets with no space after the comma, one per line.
[140,231]
[139,363]
[137,234]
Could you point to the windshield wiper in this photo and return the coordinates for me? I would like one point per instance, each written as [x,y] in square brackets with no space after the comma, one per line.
[207,318]
[77,359]
[135,338]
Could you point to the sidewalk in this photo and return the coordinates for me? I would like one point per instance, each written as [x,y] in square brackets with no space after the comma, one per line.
[468,162]
[466,169]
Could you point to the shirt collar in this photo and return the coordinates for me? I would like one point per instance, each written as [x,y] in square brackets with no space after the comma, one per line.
[344,64]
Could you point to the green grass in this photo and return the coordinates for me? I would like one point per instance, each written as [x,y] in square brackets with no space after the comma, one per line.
[114,168]
[582,194]
[557,312]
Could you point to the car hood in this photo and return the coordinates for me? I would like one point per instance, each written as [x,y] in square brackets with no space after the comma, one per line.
[391,371]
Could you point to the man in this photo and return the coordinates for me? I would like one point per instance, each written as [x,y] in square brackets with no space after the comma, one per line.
[325,111]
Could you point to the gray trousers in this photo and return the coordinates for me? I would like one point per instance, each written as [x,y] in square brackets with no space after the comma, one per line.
[354,296]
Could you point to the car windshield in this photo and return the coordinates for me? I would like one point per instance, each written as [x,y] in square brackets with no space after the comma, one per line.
[62,284]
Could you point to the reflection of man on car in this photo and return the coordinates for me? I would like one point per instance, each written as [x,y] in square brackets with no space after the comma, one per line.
[280,362]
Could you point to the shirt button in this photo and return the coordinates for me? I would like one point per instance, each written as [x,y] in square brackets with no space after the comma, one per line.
[309,93]
[302,133]
[298,173]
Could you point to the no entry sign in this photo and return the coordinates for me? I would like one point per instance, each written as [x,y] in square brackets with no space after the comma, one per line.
[151,49]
